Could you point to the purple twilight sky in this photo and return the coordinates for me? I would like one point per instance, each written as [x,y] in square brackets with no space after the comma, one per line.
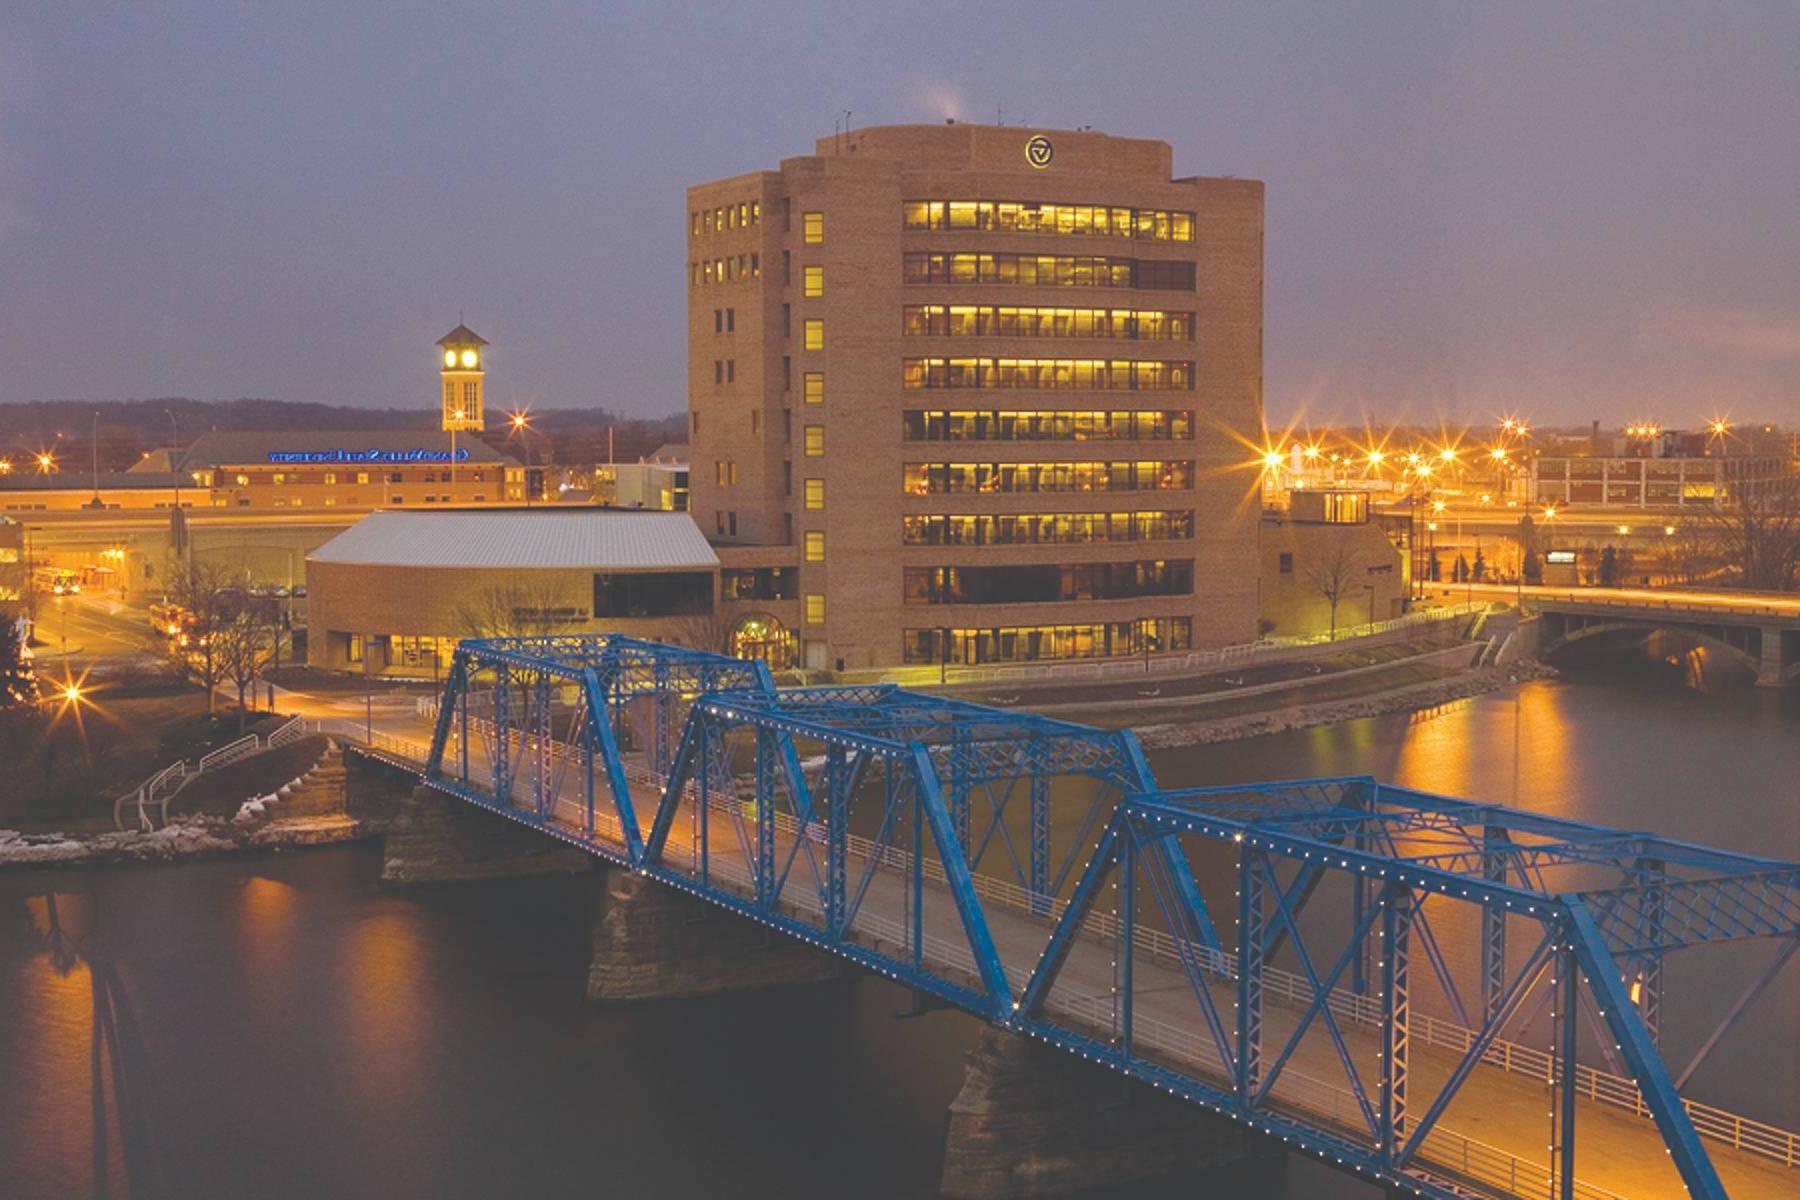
[1571,210]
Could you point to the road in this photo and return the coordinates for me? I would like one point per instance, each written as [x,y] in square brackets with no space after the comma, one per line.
[86,628]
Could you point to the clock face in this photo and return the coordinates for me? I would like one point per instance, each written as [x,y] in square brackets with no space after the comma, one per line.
[469,358]
[449,358]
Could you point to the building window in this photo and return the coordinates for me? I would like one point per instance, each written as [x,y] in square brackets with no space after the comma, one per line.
[1034,643]
[243,480]
[718,371]
[1049,374]
[812,281]
[815,333]
[758,583]
[813,440]
[1048,583]
[731,523]
[930,479]
[1287,563]
[812,228]
[672,593]
[813,385]
[731,370]
[718,320]
[355,652]
[815,608]
[1045,529]
[815,545]
[731,320]
[756,422]
[1050,425]
[815,493]
[1069,220]
[1002,320]
[1046,270]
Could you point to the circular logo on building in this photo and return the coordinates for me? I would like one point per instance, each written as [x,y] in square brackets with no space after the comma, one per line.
[1039,151]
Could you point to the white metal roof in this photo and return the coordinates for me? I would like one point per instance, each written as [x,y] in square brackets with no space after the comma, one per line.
[525,538]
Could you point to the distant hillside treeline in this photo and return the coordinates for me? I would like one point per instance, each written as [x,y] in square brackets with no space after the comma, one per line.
[127,428]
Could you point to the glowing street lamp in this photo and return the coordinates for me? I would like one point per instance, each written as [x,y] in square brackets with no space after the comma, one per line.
[45,463]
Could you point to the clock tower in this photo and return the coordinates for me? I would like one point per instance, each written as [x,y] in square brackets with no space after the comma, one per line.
[461,374]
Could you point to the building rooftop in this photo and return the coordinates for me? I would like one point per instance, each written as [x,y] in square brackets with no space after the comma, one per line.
[523,539]
[462,335]
[340,448]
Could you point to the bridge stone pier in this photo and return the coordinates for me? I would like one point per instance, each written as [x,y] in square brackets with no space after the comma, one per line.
[434,838]
[1032,1122]
[652,942]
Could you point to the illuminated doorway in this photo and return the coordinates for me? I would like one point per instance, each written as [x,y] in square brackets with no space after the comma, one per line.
[762,636]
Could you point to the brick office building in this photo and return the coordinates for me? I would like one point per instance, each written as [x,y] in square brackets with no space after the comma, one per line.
[978,392]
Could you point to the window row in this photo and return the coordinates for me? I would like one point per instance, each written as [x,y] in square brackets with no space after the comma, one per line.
[741,215]
[1048,583]
[1039,643]
[1046,529]
[1058,374]
[729,269]
[1047,426]
[1119,324]
[759,583]
[1046,270]
[932,479]
[1076,220]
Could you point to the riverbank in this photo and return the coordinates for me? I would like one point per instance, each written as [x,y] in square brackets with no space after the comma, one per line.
[1410,696]
[182,838]
[310,809]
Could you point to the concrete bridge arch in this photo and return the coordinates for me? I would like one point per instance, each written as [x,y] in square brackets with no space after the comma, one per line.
[1737,654]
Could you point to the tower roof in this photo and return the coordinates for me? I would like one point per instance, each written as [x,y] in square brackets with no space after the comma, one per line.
[462,335]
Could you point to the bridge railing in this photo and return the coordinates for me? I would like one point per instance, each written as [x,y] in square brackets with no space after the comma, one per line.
[1675,603]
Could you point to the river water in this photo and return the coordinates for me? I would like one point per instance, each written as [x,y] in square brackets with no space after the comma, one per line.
[282,1027]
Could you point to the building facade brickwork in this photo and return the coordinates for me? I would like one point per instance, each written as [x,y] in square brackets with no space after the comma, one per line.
[994,410]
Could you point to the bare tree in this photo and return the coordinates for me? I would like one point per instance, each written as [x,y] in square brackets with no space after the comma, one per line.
[519,610]
[1755,530]
[700,631]
[244,645]
[202,590]
[1333,573]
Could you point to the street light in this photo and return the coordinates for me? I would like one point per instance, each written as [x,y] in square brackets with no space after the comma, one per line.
[521,425]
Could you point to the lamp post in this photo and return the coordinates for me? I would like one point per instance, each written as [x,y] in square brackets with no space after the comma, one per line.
[521,424]
[1370,588]
[175,444]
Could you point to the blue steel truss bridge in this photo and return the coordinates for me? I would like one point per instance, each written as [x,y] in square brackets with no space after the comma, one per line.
[1449,998]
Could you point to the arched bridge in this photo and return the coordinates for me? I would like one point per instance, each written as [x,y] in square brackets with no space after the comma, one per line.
[1760,631]
[1455,999]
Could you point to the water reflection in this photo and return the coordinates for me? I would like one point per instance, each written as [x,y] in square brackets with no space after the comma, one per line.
[78,986]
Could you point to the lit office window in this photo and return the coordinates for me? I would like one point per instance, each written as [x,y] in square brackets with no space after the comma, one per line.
[814,333]
[815,546]
[814,441]
[812,228]
[813,384]
[815,608]
[812,281]
[815,493]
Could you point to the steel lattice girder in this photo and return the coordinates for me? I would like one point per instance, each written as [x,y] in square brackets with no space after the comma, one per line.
[980,742]
[1664,894]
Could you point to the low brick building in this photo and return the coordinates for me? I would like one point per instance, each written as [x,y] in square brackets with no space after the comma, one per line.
[395,592]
